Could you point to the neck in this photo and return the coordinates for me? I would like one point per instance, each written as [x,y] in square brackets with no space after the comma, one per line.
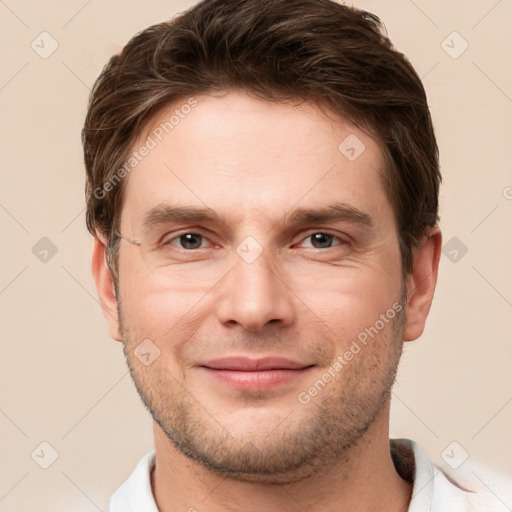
[364,480]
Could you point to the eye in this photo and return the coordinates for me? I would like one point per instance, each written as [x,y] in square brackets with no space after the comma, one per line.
[188,241]
[322,240]
[191,241]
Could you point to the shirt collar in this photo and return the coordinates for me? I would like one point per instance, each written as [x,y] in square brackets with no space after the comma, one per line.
[135,495]
[432,491]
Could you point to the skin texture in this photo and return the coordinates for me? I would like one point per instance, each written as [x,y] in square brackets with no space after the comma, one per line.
[219,447]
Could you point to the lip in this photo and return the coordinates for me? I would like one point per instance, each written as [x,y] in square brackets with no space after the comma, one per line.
[246,364]
[260,374]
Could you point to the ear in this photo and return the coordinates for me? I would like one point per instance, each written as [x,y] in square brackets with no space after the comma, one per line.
[421,283]
[105,287]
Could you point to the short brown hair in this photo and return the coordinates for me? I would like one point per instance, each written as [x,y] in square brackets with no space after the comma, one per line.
[276,50]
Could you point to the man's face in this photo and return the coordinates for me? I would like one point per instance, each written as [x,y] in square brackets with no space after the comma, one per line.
[248,313]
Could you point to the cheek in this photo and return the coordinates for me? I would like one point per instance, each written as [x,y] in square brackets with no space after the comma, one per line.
[347,300]
[169,316]
[154,303]
[161,314]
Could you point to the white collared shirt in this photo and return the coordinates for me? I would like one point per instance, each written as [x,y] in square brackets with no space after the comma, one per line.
[432,489]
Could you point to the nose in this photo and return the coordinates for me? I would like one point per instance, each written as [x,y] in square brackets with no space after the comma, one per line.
[255,294]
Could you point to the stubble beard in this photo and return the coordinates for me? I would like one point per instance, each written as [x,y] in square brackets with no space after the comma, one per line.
[336,421]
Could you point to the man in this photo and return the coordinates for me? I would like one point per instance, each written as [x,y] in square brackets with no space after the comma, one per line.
[262,185]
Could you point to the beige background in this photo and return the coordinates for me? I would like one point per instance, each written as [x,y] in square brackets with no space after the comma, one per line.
[64,381]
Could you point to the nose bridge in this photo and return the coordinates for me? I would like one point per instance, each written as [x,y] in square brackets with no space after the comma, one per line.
[255,293]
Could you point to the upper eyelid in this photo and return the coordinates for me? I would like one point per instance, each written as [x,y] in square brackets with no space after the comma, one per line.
[169,236]
[304,235]
[341,236]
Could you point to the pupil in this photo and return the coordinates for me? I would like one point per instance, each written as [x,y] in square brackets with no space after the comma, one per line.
[321,240]
[191,241]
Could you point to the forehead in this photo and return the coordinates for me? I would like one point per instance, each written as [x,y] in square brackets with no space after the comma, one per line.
[248,158]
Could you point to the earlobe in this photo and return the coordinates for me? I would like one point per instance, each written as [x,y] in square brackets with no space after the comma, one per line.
[421,283]
[105,287]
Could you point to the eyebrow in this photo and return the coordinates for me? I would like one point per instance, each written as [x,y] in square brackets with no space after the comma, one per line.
[338,212]
[332,213]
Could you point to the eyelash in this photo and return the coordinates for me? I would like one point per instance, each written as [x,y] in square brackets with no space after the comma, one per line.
[341,240]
